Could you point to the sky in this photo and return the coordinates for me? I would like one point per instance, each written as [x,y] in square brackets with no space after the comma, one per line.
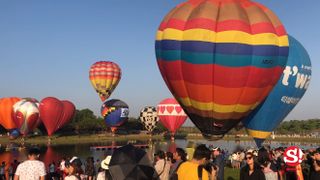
[47,48]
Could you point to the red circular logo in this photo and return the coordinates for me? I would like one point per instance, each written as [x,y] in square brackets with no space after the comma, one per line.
[293,156]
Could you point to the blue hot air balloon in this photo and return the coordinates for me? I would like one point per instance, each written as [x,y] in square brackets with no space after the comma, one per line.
[284,96]
[115,113]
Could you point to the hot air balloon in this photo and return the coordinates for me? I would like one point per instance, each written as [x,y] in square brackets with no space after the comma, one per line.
[104,77]
[285,95]
[14,134]
[26,115]
[171,115]
[55,113]
[6,111]
[115,113]
[149,117]
[220,59]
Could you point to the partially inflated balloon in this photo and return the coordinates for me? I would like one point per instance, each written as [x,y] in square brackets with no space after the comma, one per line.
[115,113]
[26,115]
[149,117]
[6,111]
[285,95]
[171,114]
[104,77]
[220,59]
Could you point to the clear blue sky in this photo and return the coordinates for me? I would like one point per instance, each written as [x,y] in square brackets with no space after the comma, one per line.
[47,48]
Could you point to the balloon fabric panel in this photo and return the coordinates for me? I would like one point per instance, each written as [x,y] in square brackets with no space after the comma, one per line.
[284,96]
[220,59]
[6,112]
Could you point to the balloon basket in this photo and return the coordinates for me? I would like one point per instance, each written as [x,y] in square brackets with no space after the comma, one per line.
[172,138]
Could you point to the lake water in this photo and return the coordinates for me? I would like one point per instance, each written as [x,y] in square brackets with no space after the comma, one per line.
[11,151]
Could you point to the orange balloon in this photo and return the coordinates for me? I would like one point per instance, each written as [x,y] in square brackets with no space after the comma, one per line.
[6,111]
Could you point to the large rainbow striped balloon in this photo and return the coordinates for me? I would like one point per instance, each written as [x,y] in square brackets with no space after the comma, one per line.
[220,59]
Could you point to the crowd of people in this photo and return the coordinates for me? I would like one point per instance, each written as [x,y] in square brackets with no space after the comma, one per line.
[207,162]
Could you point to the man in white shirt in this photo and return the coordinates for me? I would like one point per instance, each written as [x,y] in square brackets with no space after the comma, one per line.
[31,169]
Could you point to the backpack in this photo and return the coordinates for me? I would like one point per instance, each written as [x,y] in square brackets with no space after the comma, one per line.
[174,175]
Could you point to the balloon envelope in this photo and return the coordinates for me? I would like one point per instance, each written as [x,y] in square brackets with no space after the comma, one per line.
[171,114]
[104,77]
[220,59]
[14,134]
[6,112]
[55,113]
[26,115]
[284,96]
[149,117]
[115,112]
[68,112]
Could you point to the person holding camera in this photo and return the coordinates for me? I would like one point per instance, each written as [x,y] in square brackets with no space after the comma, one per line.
[314,162]
[199,167]
[252,170]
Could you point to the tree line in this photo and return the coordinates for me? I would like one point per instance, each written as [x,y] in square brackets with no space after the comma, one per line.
[84,121]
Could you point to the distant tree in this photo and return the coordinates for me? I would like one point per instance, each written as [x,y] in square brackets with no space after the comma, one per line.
[83,114]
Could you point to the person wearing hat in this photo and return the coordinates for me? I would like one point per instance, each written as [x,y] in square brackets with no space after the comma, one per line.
[74,169]
[32,168]
[105,174]
[314,163]
[218,160]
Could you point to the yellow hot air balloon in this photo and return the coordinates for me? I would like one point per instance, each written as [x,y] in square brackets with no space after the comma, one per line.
[104,77]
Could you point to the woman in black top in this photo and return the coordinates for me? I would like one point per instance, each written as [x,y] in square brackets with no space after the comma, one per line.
[251,171]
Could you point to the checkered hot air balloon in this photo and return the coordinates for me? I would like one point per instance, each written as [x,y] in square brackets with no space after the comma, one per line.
[149,117]
[104,77]
[220,59]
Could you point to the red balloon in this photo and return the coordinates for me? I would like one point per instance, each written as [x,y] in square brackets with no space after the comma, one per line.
[171,114]
[51,111]
[68,112]
[55,113]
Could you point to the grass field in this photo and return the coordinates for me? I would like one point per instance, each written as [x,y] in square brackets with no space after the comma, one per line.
[231,174]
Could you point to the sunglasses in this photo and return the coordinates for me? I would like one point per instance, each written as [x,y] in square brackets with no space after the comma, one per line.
[249,157]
